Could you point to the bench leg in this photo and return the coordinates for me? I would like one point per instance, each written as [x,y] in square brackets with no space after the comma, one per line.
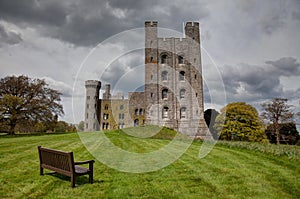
[73,177]
[91,178]
[41,171]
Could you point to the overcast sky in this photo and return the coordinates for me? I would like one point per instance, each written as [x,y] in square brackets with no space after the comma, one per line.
[254,46]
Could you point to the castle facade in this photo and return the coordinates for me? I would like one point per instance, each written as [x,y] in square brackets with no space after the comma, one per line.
[173,95]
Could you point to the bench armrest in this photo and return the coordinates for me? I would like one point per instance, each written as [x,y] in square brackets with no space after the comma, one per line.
[84,162]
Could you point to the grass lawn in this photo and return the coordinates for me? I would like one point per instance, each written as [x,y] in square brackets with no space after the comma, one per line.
[227,172]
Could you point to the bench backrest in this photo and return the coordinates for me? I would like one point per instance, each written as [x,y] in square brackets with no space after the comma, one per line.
[60,161]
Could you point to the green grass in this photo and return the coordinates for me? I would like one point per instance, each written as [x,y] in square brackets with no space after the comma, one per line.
[227,172]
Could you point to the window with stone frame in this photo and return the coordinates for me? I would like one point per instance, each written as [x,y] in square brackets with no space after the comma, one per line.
[164,94]
[183,112]
[163,59]
[165,112]
[180,59]
[182,76]
[141,111]
[136,111]
[182,93]
[164,76]
[136,122]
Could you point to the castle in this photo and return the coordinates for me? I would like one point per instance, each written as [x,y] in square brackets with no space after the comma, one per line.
[173,95]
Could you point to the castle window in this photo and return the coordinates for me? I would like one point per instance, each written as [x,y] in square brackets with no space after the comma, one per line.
[165,111]
[106,107]
[88,97]
[121,125]
[180,59]
[195,60]
[151,59]
[181,75]
[164,59]
[196,94]
[164,93]
[136,111]
[105,116]
[121,116]
[136,122]
[86,125]
[195,76]
[151,77]
[141,111]
[183,112]
[104,125]
[87,106]
[87,116]
[182,93]
[151,94]
[164,76]
[122,107]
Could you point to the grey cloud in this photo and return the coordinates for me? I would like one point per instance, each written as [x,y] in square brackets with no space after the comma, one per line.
[288,66]
[63,88]
[9,37]
[88,22]
[259,81]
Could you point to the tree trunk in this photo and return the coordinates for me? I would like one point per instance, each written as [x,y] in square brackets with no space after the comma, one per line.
[12,129]
[277,136]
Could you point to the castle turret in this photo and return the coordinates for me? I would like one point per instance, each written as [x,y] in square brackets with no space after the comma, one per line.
[92,105]
[192,31]
[106,94]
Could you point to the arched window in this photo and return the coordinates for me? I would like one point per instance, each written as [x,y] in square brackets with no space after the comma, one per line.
[165,111]
[105,116]
[164,59]
[182,93]
[164,76]
[183,112]
[106,107]
[141,111]
[136,111]
[136,122]
[164,93]
[181,75]
[180,59]
[122,107]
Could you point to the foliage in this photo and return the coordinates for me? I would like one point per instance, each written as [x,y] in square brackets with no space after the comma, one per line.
[288,133]
[23,99]
[81,126]
[210,116]
[277,111]
[240,122]
[292,152]
[224,173]
[63,127]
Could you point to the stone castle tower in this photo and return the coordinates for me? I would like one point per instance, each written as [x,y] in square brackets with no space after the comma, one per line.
[173,80]
[92,88]
[173,95]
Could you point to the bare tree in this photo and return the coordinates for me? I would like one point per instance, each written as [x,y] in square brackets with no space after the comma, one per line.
[24,99]
[277,112]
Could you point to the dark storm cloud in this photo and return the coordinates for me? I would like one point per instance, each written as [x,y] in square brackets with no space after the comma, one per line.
[88,22]
[287,66]
[9,37]
[261,81]
[34,11]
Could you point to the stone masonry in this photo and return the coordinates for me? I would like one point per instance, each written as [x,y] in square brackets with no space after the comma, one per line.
[173,95]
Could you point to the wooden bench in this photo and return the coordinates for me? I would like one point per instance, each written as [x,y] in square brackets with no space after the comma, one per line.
[63,163]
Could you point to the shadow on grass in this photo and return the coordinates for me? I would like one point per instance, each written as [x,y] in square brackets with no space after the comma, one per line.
[80,180]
